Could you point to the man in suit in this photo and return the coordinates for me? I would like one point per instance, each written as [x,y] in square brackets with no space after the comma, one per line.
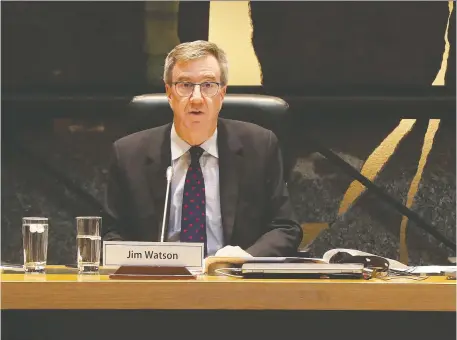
[227,189]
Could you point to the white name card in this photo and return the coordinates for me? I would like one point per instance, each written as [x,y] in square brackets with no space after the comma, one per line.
[174,254]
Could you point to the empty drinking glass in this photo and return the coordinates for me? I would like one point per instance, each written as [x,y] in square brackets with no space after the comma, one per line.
[35,243]
[88,241]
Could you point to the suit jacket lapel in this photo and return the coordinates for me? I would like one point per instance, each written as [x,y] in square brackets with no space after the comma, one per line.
[230,171]
[157,161]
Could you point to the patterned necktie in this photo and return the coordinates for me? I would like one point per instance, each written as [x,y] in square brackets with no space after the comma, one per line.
[193,217]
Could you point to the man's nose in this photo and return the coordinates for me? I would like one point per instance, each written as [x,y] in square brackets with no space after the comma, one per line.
[196,94]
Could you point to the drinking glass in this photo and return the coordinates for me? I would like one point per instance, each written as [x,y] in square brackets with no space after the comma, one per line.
[35,243]
[88,241]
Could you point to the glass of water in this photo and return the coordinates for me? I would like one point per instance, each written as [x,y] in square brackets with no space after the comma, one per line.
[35,243]
[88,241]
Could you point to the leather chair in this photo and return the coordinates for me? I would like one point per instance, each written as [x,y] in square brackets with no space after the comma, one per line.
[151,110]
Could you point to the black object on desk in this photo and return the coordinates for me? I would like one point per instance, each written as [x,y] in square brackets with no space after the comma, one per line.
[152,273]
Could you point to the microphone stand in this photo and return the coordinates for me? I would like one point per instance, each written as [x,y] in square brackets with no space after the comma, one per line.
[165,208]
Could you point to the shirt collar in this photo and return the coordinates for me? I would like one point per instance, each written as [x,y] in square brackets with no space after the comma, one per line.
[179,147]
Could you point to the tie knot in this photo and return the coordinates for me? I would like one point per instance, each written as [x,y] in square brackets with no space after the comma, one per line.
[195,153]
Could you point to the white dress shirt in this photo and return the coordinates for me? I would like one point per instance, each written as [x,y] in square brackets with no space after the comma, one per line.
[209,162]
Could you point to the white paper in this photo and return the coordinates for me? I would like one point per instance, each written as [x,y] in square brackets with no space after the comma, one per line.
[12,268]
[232,251]
[431,269]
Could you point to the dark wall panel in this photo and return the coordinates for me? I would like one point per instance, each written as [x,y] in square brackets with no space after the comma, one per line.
[65,46]
[193,20]
[349,44]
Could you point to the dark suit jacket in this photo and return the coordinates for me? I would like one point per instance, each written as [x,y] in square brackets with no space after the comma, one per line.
[256,211]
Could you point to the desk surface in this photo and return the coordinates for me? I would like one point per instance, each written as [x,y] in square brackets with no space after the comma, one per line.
[71,291]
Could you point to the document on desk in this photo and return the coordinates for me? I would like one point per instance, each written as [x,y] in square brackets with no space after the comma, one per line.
[395,265]
[430,270]
[12,268]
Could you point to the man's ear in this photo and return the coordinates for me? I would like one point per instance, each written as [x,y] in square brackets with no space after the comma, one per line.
[168,92]
[223,91]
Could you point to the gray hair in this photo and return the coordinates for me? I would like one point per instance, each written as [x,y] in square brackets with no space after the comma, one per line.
[195,50]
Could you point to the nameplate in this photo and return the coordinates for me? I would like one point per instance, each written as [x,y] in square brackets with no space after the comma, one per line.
[175,254]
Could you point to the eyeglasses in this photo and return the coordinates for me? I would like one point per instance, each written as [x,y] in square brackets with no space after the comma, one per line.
[207,88]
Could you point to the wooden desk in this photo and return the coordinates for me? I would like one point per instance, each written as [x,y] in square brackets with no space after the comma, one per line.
[71,292]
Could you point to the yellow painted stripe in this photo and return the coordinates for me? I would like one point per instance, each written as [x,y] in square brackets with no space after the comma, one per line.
[439,80]
[310,232]
[375,162]
[414,187]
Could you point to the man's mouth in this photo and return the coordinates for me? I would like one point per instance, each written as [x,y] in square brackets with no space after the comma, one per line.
[196,112]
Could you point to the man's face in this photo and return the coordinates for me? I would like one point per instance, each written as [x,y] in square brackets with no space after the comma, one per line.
[196,113]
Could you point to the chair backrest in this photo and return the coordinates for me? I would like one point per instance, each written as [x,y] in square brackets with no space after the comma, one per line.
[151,110]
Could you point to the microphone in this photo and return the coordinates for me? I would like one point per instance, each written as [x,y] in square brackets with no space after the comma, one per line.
[165,208]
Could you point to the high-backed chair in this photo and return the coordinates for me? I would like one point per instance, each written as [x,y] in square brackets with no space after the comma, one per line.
[151,110]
